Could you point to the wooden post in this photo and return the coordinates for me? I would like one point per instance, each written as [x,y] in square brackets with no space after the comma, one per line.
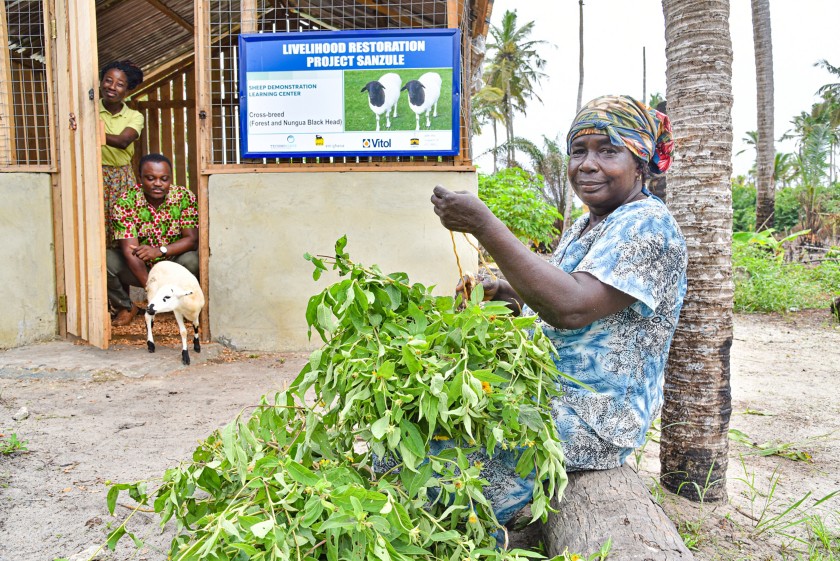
[203,116]
[248,15]
[8,154]
[80,172]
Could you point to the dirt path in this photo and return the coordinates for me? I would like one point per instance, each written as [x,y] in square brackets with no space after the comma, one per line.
[88,427]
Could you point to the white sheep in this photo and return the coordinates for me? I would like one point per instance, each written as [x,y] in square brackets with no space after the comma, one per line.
[172,288]
[423,95]
[383,95]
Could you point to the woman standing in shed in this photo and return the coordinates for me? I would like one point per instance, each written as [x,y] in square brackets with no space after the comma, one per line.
[122,126]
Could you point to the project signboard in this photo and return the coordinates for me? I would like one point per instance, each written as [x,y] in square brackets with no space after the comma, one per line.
[350,93]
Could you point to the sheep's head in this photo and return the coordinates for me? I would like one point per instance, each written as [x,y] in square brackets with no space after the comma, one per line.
[416,92]
[166,299]
[376,93]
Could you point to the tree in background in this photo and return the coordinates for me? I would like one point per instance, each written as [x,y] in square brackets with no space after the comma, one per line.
[486,107]
[515,197]
[763,46]
[515,68]
[580,58]
[830,109]
[695,415]
[548,161]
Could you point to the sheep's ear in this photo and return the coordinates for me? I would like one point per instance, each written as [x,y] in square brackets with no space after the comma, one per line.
[182,293]
[366,88]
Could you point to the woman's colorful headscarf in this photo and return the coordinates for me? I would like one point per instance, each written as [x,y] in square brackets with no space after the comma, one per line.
[644,131]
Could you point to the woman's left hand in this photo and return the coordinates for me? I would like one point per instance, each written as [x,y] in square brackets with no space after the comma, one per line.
[460,211]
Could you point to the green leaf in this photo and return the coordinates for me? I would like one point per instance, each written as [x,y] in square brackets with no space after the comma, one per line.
[338,521]
[114,537]
[380,427]
[412,439]
[261,529]
[301,474]
[445,536]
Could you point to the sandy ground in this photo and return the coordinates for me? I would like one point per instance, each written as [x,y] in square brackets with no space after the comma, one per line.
[124,415]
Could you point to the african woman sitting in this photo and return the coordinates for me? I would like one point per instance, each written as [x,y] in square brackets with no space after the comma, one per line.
[608,299]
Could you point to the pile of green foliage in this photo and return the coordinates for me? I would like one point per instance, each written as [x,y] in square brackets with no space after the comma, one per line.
[515,197]
[399,368]
[765,282]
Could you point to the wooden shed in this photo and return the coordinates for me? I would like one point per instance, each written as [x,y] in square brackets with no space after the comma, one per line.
[258,216]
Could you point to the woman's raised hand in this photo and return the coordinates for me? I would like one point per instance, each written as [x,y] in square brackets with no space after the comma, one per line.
[460,211]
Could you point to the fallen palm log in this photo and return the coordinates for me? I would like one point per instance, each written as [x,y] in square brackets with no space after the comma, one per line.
[612,504]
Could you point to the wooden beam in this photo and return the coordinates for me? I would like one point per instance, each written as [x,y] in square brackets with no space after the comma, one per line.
[248,16]
[481,11]
[161,73]
[339,167]
[451,13]
[171,14]
[89,172]
[202,115]
[66,139]
[8,149]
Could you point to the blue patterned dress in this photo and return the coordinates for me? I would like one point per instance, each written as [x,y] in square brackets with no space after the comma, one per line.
[639,250]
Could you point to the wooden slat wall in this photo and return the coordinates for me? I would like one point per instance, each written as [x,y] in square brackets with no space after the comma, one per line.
[169,110]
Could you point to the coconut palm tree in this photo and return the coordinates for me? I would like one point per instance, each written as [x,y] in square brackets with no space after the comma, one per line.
[486,107]
[515,67]
[765,198]
[580,57]
[695,416]
[833,88]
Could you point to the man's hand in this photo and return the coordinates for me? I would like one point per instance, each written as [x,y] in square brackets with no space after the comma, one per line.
[145,252]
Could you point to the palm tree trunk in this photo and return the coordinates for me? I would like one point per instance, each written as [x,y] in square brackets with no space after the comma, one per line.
[695,415]
[509,124]
[765,182]
[580,59]
[495,148]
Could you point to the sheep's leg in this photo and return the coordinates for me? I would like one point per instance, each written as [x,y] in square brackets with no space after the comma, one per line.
[388,119]
[435,115]
[185,354]
[150,340]
[377,122]
[417,118]
[196,342]
[395,108]
[429,118]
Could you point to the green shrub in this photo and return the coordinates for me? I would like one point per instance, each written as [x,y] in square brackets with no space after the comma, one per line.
[765,283]
[514,196]
[743,205]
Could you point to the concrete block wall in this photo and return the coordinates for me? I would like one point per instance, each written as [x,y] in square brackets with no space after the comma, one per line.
[27,262]
[262,224]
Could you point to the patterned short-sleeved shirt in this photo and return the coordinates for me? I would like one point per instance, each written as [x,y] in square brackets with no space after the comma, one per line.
[639,250]
[134,217]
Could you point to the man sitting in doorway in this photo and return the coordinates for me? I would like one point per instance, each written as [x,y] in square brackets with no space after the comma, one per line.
[153,221]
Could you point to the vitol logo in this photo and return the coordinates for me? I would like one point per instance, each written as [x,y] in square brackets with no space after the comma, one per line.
[376,143]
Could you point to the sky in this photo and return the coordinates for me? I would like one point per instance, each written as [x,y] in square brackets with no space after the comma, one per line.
[616,31]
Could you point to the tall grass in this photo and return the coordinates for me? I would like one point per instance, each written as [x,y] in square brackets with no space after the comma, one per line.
[764,282]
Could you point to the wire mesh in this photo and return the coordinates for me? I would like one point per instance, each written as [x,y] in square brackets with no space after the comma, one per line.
[24,89]
[228,18]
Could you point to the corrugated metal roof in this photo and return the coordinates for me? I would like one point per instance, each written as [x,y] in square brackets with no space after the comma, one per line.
[137,31]
[141,31]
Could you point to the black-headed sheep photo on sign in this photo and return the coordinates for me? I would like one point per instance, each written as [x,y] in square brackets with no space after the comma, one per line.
[350,93]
